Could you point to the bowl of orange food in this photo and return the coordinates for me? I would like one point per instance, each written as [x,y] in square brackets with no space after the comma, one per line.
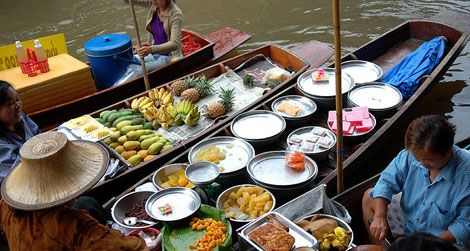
[171,176]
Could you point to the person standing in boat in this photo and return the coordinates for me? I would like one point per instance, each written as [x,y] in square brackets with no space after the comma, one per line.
[164,23]
[15,128]
[432,177]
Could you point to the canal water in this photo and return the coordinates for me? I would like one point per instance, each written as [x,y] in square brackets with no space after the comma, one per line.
[286,23]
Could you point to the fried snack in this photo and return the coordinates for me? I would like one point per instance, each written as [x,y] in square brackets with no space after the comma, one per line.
[321,227]
[270,237]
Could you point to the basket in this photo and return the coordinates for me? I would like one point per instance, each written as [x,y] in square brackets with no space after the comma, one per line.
[32,66]
[189,46]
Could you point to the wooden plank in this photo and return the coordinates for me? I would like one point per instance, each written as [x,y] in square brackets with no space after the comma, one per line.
[314,52]
[227,39]
[457,19]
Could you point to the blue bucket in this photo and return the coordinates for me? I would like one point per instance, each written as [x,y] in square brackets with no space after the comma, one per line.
[109,56]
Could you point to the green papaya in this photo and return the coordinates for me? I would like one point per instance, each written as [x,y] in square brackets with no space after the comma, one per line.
[129,128]
[148,125]
[114,145]
[146,143]
[154,148]
[117,115]
[131,145]
[166,148]
[106,115]
[132,135]
[108,141]
[121,124]
[126,117]
[122,139]
[107,124]
[135,160]
[148,136]
[101,121]
[125,110]
[115,136]
[138,121]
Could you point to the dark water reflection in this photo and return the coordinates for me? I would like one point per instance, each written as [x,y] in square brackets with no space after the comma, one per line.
[282,22]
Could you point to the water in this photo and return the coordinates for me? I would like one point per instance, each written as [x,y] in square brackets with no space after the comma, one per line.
[285,23]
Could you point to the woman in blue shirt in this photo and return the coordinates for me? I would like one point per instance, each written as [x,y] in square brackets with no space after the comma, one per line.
[432,175]
[15,128]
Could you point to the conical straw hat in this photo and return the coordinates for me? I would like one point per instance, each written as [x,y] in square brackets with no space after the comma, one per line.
[53,171]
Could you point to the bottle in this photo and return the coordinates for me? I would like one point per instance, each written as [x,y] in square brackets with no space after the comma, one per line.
[21,52]
[39,51]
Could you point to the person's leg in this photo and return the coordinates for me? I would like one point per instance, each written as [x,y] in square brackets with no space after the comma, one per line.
[93,208]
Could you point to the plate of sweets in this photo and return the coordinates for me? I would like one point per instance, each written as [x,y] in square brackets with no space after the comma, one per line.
[357,121]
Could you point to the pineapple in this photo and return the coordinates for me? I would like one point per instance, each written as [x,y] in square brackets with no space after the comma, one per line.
[222,106]
[191,94]
[204,87]
[199,87]
[178,87]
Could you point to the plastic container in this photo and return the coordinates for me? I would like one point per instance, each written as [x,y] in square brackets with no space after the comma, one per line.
[21,54]
[109,56]
[39,51]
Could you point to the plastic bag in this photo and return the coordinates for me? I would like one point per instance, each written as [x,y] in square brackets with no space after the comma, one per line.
[133,71]
[334,208]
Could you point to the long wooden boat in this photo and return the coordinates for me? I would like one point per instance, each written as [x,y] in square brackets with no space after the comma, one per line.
[214,46]
[352,200]
[385,51]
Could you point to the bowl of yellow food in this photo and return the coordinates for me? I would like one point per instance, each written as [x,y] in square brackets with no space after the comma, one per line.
[244,203]
[171,176]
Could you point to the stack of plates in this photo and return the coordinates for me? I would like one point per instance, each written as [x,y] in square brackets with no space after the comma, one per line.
[258,127]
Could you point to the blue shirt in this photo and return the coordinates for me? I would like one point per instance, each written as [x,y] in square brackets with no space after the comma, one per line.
[429,207]
[11,142]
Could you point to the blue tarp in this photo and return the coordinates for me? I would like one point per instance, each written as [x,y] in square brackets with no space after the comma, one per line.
[405,75]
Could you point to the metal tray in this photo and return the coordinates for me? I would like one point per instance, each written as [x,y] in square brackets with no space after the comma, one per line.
[238,152]
[302,238]
[376,96]
[308,107]
[304,131]
[341,223]
[269,168]
[362,71]
[314,89]
[183,201]
[355,133]
[258,125]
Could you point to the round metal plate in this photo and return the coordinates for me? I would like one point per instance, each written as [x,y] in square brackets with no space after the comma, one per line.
[270,168]
[183,201]
[237,152]
[161,175]
[323,88]
[355,133]
[376,96]
[362,71]
[202,173]
[306,131]
[306,105]
[258,125]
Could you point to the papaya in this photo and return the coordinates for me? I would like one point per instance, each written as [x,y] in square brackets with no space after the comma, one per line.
[128,154]
[113,129]
[138,121]
[125,110]
[131,145]
[149,157]
[107,124]
[146,143]
[132,135]
[155,148]
[143,153]
[166,148]
[106,115]
[148,125]
[123,123]
[100,120]
[114,145]
[129,128]
[115,136]
[119,149]
[108,141]
[117,115]
[126,117]
[122,139]
[135,160]
[148,136]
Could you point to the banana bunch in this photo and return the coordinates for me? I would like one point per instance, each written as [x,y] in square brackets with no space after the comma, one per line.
[338,240]
[161,97]
[182,110]
[141,104]
[192,118]
[150,113]
[159,117]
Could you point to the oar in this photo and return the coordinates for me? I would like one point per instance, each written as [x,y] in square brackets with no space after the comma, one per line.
[144,68]
[339,99]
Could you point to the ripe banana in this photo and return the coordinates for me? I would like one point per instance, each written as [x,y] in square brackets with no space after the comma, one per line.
[192,118]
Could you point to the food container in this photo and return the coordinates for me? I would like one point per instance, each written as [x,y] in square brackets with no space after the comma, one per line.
[237,152]
[224,196]
[125,204]
[153,244]
[381,99]
[258,127]
[98,134]
[160,175]
[76,122]
[358,136]
[269,170]
[183,202]
[202,173]
[362,71]
[307,106]
[341,223]
[319,154]
[302,238]
[84,129]
[324,92]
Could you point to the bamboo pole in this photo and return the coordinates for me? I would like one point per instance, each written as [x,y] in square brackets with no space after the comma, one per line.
[144,67]
[339,99]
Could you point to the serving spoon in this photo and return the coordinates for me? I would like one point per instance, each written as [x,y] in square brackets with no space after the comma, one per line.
[131,221]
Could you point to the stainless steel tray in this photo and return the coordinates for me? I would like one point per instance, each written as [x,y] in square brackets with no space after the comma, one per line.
[269,168]
[323,88]
[362,71]
[302,238]
[306,131]
[355,133]
[340,222]
[307,106]
[258,125]
[238,152]
[183,201]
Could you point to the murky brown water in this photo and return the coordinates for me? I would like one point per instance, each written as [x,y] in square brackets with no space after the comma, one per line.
[282,22]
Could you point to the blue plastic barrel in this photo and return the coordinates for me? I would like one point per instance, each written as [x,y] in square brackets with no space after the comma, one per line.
[109,56]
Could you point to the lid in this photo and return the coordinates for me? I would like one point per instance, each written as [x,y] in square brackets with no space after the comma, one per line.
[183,202]
[307,106]
[258,125]
[270,168]
[375,96]
[362,71]
[108,44]
[323,88]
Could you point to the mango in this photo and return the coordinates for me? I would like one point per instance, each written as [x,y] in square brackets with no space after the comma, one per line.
[138,121]
[108,141]
[143,153]
[129,128]
[127,117]
[117,115]
[154,148]
[119,149]
[131,145]
[148,125]
[149,157]
[135,160]
[121,124]
[128,154]
[115,136]
[132,135]
[106,114]
[148,136]
[114,145]
[166,148]
[122,139]
[144,132]
[146,143]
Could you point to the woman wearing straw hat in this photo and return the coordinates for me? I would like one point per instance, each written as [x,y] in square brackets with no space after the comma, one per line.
[36,212]
[164,22]
[15,128]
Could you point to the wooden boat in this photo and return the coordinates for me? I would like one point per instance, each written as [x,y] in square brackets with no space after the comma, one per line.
[352,200]
[385,51]
[214,46]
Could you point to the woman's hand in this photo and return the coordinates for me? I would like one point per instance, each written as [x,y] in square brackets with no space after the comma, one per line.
[142,51]
[379,227]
